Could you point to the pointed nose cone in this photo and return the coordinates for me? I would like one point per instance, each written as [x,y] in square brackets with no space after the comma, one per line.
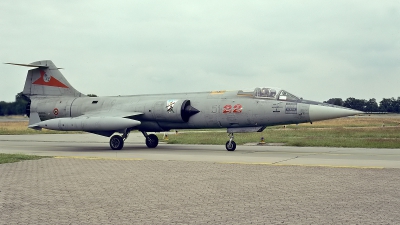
[319,112]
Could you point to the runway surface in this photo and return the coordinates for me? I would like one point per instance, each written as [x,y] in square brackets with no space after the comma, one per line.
[89,145]
[193,184]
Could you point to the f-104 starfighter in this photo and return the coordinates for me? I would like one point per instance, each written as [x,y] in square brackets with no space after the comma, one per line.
[56,105]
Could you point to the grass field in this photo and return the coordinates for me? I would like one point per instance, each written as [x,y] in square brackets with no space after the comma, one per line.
[360,131]
[10,158]
[376,131]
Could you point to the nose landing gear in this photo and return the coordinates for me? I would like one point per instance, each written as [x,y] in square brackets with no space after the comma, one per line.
[230,145]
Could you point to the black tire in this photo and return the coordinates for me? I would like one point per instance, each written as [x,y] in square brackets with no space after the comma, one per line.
[231,146]
[116,142]
[152,141]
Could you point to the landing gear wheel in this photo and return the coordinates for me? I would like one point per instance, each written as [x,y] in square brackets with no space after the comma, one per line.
[151,141]
[116,142]
[230,146]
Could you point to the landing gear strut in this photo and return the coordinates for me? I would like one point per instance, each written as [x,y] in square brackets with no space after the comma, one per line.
[151,140]
[117,142]
[230,145]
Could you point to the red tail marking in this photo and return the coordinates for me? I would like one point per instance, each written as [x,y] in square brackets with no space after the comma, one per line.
[48,80]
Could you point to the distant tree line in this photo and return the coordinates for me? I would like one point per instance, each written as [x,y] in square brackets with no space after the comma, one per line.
[14,108]
[390,105]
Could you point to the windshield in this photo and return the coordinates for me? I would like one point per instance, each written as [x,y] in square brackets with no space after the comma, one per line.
[284,95]
[270,93]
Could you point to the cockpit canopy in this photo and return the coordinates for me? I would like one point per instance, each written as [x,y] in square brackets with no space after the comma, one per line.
[270,93]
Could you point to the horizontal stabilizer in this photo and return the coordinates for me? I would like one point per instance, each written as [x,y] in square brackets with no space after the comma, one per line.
[28,65]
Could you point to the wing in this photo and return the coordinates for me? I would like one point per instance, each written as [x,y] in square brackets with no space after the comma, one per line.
[125,118]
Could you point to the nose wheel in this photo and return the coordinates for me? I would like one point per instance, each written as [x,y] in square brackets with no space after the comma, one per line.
[230,145]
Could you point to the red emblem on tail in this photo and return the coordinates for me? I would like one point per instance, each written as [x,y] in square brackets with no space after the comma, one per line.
[48,80]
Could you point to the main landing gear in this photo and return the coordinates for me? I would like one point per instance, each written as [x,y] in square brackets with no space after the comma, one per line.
[117,141]
[151,140]
[230,145]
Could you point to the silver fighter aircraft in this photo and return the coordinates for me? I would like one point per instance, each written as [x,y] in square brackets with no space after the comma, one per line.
[56,105]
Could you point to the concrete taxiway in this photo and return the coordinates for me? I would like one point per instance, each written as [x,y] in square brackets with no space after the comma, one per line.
[194,184]
[89,145]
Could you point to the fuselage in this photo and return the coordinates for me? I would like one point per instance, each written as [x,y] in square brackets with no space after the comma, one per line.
[225,109]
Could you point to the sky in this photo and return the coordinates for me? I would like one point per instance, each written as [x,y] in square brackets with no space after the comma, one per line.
[314,49]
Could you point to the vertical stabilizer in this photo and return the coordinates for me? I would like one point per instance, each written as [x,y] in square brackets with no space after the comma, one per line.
[47,80]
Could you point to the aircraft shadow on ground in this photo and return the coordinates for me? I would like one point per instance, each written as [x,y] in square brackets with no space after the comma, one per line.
[136,147]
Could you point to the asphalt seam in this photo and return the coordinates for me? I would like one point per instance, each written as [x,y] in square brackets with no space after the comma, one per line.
[279,163]
[318,153]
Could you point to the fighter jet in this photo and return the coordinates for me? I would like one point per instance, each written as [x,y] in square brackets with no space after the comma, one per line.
[56,105]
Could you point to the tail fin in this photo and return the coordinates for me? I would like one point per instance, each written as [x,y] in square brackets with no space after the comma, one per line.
[46,80]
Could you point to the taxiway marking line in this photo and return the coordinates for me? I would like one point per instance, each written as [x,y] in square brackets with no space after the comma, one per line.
[96,158]
[306,165]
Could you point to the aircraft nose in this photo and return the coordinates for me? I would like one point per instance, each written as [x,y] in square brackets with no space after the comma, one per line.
[320,112]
